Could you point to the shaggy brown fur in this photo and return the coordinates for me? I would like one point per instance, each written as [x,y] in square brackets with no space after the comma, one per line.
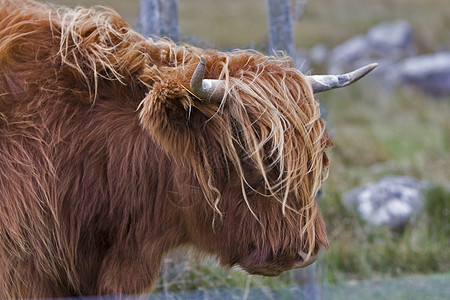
[108,162]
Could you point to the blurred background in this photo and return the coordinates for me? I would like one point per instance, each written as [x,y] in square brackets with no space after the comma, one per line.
[386,201]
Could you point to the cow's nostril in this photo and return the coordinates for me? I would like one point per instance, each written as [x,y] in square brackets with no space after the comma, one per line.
[301,256]
[303,260]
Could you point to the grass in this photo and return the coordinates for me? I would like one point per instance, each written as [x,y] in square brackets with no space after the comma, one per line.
[409,287]
[361,252]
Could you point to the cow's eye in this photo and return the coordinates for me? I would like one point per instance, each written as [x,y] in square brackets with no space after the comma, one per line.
[253,185]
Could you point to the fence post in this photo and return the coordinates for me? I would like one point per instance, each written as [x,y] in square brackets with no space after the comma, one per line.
[307,280]
[159,18]
[281,33]
[170,27]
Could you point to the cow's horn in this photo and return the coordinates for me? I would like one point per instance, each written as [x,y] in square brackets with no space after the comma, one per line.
[206,88]
[321,83]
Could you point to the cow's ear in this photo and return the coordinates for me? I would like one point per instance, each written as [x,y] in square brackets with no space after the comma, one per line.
[169,113]
[165,102]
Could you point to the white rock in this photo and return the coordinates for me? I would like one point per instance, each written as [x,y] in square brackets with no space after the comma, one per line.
[391,201]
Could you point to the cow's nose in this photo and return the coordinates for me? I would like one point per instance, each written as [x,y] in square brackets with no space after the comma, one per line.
[303,260]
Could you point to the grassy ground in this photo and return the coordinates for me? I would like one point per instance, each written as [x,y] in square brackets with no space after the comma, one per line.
[376,133]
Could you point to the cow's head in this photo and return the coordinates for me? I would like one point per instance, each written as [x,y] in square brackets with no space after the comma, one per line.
[249,148]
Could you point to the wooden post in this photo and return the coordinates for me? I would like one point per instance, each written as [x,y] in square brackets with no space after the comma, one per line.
[281,33]
[307,280]
[149,16]
[170,27]
[159,18]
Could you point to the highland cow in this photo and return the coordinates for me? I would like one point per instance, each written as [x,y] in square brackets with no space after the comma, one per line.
[114,150]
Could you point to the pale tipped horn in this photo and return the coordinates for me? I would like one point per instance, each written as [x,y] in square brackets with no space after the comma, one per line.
[206,88]
[321,83]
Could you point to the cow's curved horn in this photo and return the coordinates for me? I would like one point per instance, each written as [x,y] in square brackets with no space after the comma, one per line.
[321,83]
[206,88]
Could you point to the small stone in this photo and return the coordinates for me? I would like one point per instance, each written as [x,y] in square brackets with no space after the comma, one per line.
[393,39]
